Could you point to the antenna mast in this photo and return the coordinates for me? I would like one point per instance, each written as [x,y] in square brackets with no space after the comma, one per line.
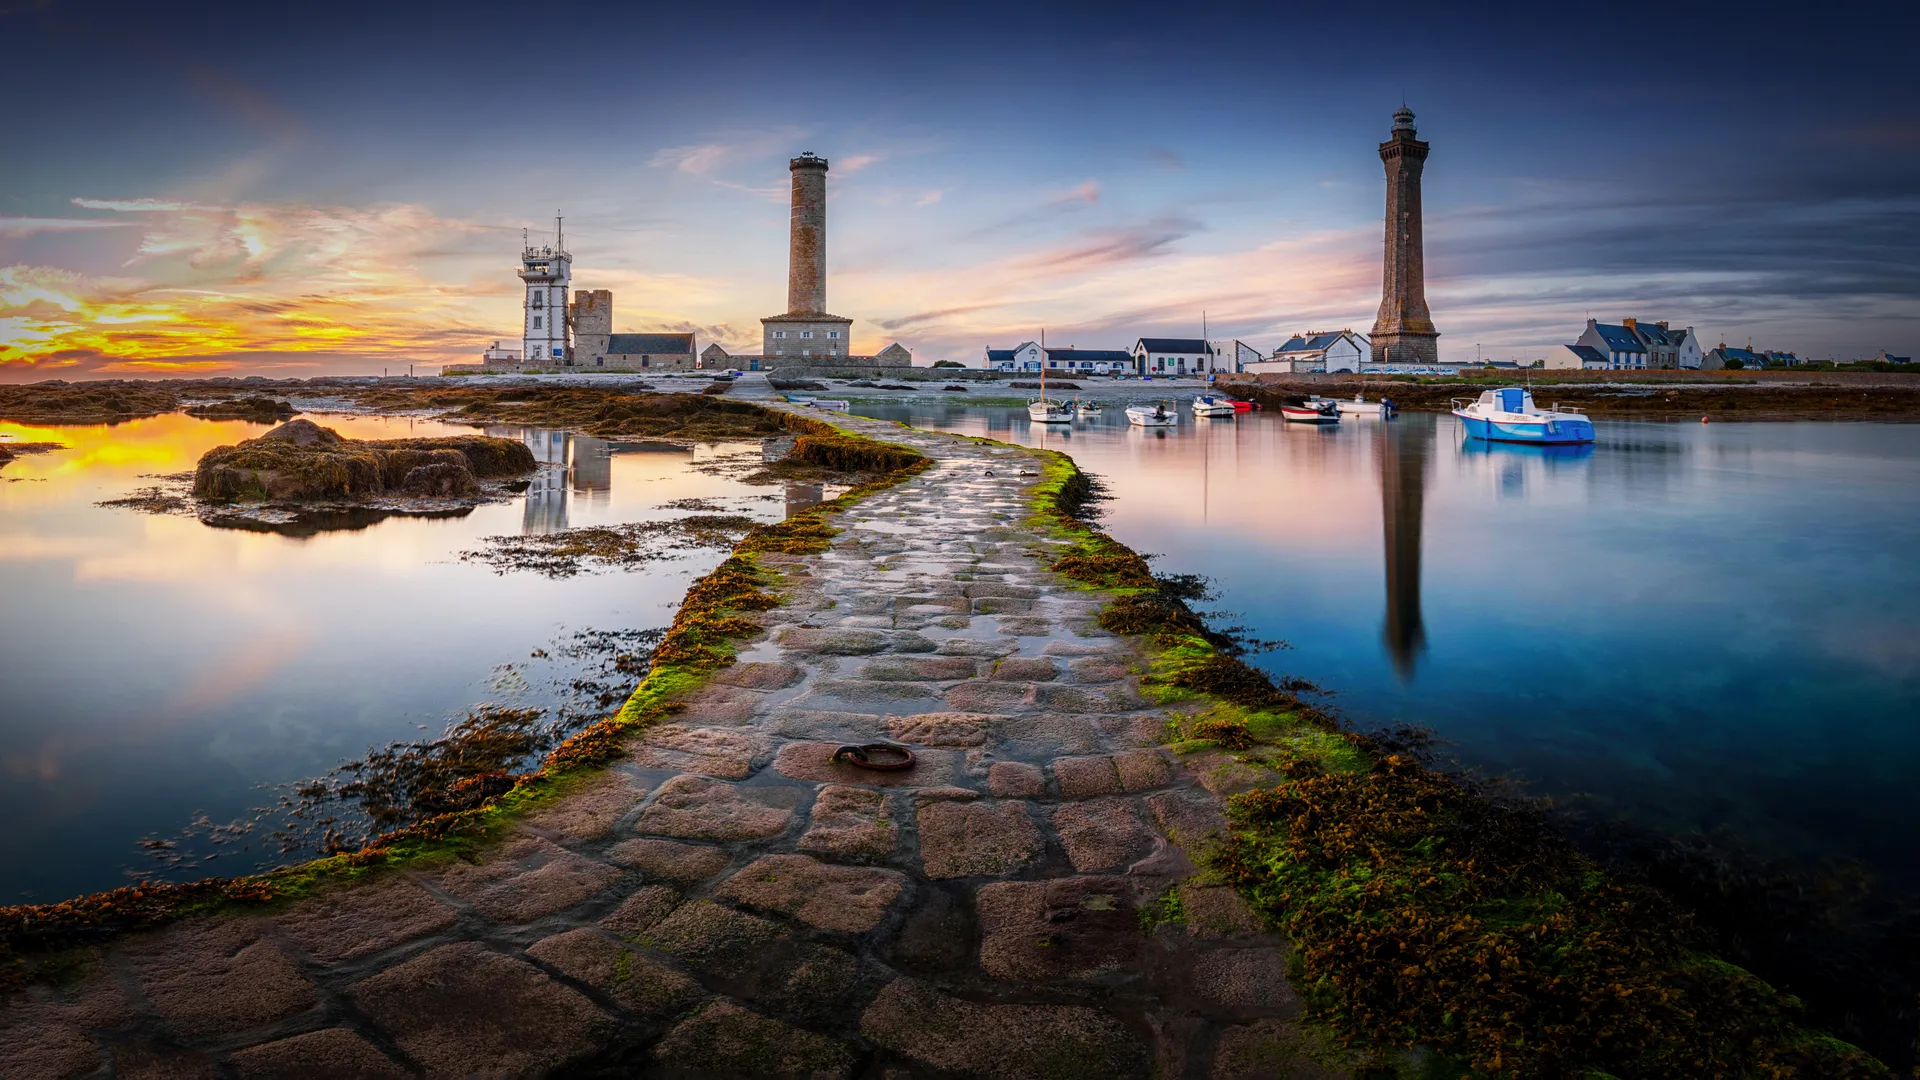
[559,234]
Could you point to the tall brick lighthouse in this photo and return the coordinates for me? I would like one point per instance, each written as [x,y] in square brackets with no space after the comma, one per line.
[806,330]
[1403,332]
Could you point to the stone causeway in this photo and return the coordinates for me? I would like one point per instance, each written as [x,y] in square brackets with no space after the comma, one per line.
[729,901]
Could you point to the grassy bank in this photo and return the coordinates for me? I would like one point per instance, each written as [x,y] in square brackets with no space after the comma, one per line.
[37,940]
[1425,913]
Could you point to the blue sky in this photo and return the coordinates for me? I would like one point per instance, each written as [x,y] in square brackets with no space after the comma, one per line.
[302,190]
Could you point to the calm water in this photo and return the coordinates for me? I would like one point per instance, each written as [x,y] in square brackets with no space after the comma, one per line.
[152,667]
[1693,626]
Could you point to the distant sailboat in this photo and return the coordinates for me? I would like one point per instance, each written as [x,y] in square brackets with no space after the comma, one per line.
[1040,410]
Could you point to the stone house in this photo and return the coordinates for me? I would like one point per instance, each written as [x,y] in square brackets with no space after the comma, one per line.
[645,352]
[1633,344]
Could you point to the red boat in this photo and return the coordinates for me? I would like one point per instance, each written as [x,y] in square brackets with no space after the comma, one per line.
[1319,413]
[1241,406]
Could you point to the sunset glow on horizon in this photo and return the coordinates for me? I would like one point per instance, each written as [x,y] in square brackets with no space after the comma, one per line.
[238,205]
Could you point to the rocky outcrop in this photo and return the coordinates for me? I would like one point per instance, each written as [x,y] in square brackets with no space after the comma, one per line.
[301,461]
[258,410]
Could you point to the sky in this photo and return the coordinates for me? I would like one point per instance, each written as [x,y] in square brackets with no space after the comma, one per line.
[293,190]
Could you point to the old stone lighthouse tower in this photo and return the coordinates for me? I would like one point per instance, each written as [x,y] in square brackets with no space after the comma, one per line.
[1403,333]
[806,330]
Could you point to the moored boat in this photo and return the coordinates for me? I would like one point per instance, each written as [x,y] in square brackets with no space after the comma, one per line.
[1359,405]
[1509,415]
[1242,406]
[1043,411]
[1212,405]
[1087,410]
[1152,416]
[1312,412]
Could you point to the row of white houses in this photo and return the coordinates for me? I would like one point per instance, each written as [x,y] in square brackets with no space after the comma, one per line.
[1316,351]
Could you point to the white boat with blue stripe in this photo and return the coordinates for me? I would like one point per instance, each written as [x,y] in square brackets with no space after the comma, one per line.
[1509,415]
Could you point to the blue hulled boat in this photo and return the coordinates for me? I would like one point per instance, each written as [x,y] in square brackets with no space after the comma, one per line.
[1509,415]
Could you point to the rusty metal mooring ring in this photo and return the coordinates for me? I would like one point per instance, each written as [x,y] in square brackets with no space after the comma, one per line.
[856,754]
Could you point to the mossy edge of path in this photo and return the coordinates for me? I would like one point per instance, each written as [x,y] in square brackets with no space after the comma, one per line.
[48,941]
[1344,844]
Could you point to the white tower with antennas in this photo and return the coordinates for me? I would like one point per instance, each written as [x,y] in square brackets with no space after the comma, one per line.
[548,272]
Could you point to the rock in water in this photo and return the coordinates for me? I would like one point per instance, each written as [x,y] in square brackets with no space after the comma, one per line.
[301,433]
[443,479]
[259,410]
[300,460]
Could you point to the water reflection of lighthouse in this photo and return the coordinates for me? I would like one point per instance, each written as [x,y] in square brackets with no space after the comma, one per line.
[1403,452]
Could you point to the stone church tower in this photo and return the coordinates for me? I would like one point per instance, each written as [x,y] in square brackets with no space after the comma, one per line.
[1403,333]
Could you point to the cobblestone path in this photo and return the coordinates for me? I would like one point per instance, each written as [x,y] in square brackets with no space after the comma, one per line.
[728,901]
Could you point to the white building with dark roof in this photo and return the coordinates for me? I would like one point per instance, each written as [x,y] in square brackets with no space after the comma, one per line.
[1575,358]
[1317,351]
[1633,344]
[1172,356]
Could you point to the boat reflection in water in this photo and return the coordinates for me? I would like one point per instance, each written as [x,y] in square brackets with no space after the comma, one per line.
[1403,451]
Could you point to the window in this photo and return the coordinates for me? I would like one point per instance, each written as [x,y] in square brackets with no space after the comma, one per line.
[536,322]
[539,299]
[806,334]
[646,362]
[600,361]
[779,333]
[833,333]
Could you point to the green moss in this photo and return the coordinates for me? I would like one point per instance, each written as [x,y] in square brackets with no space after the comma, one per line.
[712,618]
[1423,913]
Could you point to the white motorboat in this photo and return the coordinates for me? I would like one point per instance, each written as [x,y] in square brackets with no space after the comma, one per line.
[1152,416]
[1509,415]
[1358,406]
[1213,405]
[1087,410]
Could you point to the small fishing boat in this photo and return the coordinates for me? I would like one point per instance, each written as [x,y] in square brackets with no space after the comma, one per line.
[1042,411]
[1241,406]
[1212,405]
[1087,410]
[1509,415]
[1312,412]
[1152,416]
[1359,406]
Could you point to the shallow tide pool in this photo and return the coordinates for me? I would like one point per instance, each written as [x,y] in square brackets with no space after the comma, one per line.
[154,670]
[1693,627]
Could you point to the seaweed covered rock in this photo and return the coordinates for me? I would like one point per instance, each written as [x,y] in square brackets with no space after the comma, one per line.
[60,402]
[300,460]
[258,410]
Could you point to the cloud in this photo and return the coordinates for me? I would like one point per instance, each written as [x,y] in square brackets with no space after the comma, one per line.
[137,206]
[1103,247]
[930,198]
[904,321]
[853,163]
[698,159]
[26,226]
[1088,193]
